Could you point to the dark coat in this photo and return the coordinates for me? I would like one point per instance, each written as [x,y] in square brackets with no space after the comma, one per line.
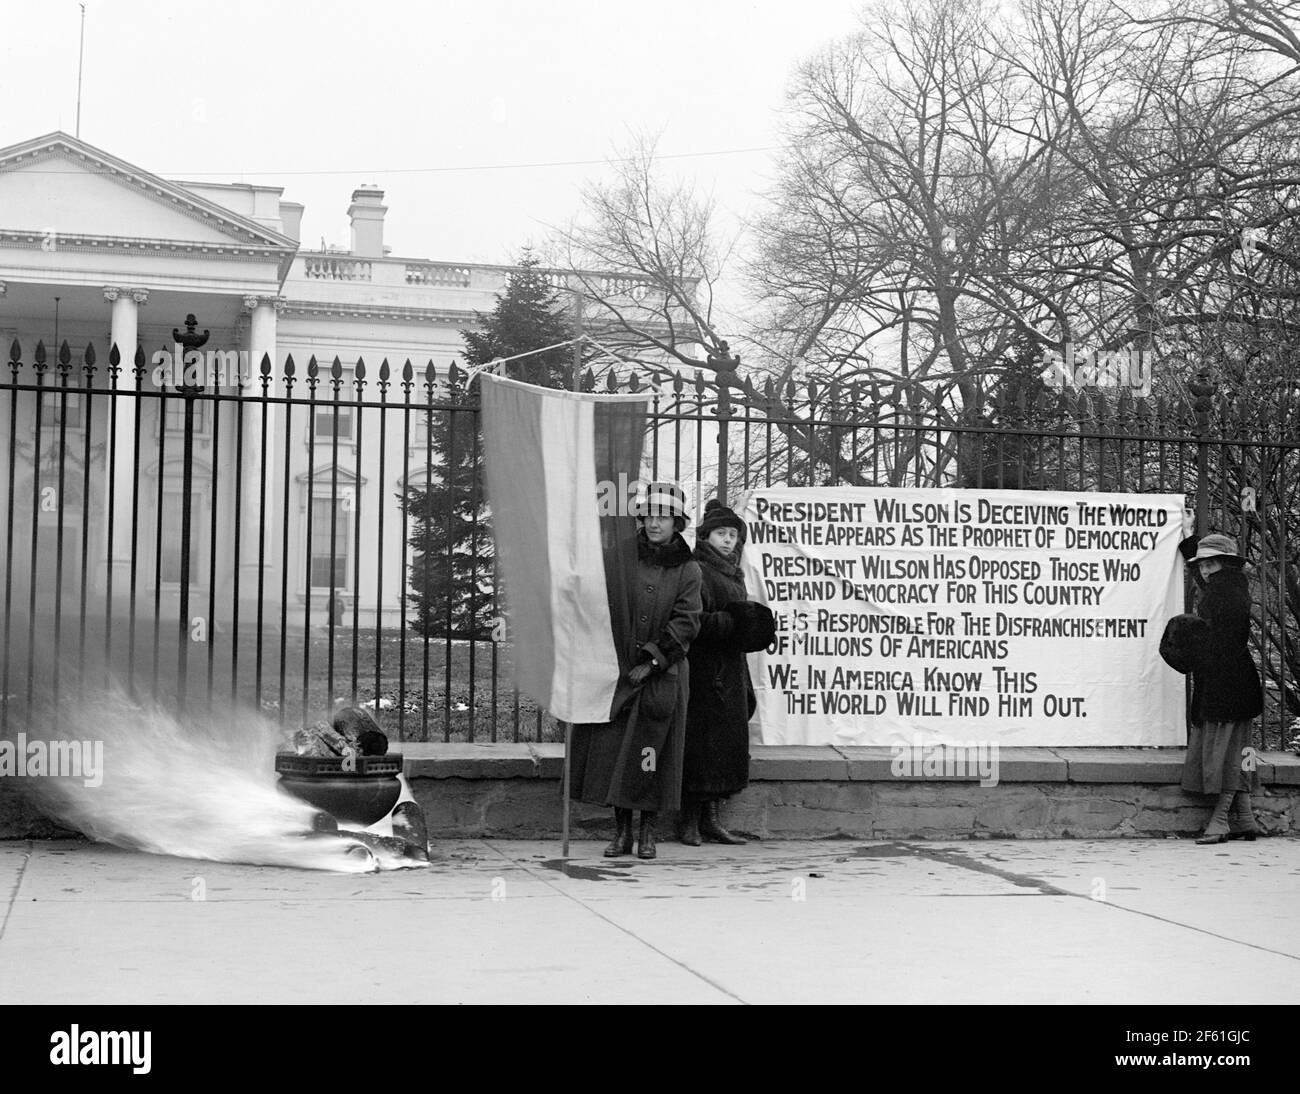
[722,697]
[635,761]
[1225,686]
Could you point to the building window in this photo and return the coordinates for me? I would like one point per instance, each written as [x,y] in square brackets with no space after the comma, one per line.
[332,421]
[169,566]
[66,408]
[330,516]
[423,419]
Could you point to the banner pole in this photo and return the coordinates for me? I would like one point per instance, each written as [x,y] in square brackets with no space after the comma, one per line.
[564,828]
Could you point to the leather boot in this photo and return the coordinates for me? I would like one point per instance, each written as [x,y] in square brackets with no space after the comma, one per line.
[645,846]
[691,823]
[711,825]
[1241,818]
[621,844]
[1216,831]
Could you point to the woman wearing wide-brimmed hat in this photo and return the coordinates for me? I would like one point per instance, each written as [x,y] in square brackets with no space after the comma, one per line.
[635,762]
[722,697]
[1226,693]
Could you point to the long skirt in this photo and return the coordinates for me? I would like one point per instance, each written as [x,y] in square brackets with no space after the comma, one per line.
[1216,759]
[635,762]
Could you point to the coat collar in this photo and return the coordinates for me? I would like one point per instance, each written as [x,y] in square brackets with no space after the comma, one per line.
[673,553]
[1227,578]
[706,555]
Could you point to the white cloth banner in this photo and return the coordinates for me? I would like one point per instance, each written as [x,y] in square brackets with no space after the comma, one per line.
[954,616]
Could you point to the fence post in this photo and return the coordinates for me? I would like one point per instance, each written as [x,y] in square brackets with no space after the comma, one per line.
[725,363]
[190,386]
[724,415]
[1202,403]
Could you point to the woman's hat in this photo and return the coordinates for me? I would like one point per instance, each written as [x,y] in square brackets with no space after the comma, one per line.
[1216,546]
[717,515]
[662,499]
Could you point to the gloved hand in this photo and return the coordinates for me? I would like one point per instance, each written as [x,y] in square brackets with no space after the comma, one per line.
[638,674]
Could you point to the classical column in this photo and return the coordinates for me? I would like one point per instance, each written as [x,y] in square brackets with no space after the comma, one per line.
[116,558]
[252,552]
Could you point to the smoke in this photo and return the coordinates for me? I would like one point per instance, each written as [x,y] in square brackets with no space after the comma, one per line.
[204,788]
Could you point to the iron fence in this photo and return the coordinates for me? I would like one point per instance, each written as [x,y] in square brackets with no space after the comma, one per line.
[320,534]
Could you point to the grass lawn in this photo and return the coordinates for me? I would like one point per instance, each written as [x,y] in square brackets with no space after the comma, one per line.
[427,690]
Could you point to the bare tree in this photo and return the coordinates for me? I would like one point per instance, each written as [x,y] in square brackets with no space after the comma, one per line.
[959,181]
[647,257]
[962,183]
[914,174]
[658,262]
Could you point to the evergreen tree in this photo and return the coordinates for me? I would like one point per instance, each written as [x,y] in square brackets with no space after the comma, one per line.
[1019,399]
[451,540]
[529,316]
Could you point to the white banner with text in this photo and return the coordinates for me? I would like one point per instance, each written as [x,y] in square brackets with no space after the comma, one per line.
[1015,617]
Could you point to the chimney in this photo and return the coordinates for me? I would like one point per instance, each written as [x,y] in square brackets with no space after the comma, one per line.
[367,213]
[291,219]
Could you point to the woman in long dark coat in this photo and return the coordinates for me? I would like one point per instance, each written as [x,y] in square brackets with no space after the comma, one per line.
[722,697]
[1226,694]
[635,762]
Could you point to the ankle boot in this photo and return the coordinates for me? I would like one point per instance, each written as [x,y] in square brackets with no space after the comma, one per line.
[1216,831]
[711,825]
[1241,818]
[621,844]
[645,847]
[691,823]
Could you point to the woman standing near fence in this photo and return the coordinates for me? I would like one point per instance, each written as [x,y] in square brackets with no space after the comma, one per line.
[1226,693]
[722,696]
[635,762]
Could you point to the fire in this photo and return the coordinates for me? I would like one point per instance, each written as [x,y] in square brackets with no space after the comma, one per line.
[203,789]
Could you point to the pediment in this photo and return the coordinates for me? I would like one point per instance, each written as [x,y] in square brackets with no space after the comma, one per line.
[174,468]
[325,476]
[61,185]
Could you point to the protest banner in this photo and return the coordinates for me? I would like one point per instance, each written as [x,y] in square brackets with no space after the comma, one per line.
[1016,617]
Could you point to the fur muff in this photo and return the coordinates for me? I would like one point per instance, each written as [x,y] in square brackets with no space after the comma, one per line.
[755,626]
[1185,643]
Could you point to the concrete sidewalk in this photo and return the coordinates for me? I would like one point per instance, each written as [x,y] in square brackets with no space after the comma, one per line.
[1113,921]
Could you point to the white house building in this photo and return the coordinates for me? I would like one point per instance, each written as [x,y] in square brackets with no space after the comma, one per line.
[96,251]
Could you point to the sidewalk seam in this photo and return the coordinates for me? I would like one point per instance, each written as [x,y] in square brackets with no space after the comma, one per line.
[18,883]
[949,858]
[549,883]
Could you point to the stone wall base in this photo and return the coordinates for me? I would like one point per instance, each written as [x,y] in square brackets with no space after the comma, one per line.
[530,809]
[512,791]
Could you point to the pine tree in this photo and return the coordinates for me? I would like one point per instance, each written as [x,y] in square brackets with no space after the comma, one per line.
[1019,400]
[451,540]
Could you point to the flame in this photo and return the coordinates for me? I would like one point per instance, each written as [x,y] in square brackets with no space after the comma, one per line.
[204,789]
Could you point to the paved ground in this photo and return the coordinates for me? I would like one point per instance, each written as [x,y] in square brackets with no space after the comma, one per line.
[1131,921]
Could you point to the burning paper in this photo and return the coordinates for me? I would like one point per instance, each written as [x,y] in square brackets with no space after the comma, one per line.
[205,790]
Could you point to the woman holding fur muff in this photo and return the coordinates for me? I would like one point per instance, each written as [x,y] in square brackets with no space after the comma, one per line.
[1226,693]
[716,763]
[635,762]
